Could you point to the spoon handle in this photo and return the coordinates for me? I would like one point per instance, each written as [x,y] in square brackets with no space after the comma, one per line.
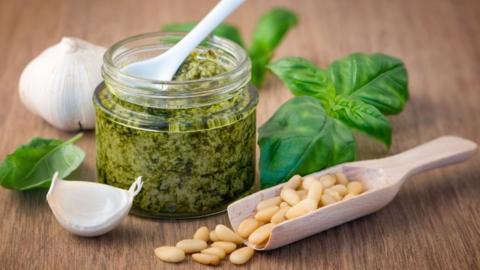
[440,152]
[217,15]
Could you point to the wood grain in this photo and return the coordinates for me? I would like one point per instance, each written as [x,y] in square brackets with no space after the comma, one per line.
[433,223]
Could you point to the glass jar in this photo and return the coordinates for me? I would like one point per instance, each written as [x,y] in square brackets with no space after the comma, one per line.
[193,142]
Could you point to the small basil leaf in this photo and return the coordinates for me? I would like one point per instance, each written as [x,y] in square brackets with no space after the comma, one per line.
[376,79]
[269,32]
[32,165]
[363,117]
[303,78]
[223,30]
[301,138]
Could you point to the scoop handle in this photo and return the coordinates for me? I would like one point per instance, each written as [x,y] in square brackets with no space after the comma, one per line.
[440,152]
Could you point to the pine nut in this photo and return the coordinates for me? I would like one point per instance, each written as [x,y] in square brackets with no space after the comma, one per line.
[261,234]
[315,191]
[269,202]
[290,196]
[215,251]
[242,255]
[226,234]
[327,199]
[266,214]
[284,204]
[227,246]
[202,233]
[302,208]
[348,196]
[308,180]
[293,183]
[213,236]
[302,193]
[327,181]
[247,226]
[192,245]
[170,254]
[341,189]
[206,259]
[355,187]
[279,216]
[335,195]
[341,178]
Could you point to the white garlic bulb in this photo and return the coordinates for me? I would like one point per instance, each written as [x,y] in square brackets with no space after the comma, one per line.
[58,84]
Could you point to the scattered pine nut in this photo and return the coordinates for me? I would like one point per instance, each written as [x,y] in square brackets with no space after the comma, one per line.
[226,234]
[227,246]
[170,254]
[206,259]
[242,255]
[202,233]
[215,251]
[192,245]
[213,236]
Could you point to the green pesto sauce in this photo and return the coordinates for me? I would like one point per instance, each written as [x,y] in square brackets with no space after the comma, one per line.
[193,161]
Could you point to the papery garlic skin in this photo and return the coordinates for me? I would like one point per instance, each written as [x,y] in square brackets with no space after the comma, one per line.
[58,84]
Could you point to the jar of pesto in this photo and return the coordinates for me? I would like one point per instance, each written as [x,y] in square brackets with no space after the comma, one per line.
[191,139]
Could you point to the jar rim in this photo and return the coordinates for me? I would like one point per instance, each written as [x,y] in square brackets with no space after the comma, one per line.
[223,42]
[138,90]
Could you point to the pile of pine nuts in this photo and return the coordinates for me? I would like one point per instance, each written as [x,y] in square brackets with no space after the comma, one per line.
[298,197]
[222,241]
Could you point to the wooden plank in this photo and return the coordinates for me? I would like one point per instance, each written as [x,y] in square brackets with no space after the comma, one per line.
[432,223]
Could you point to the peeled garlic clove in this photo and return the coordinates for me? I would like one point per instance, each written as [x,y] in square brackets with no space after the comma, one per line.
[58,84]
[88,208]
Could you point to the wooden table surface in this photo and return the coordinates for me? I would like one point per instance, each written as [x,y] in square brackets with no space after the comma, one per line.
[433,223]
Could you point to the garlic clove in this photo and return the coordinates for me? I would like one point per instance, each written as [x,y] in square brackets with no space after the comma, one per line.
[58,84]
[88,208]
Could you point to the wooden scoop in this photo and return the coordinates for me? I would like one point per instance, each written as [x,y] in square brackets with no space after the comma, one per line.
[382,179]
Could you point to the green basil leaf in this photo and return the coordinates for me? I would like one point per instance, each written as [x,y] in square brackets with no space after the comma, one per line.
[376,79]
[269,32]
[363,117]
[223,30]
[300,138]
[303,78]
[32,165]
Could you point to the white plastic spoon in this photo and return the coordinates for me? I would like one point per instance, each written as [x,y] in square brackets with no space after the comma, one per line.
[164,66]
[382,179]
[89,208]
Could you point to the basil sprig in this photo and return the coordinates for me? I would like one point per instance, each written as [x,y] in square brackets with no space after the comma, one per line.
[31,166]
[269,32]
[355,92]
